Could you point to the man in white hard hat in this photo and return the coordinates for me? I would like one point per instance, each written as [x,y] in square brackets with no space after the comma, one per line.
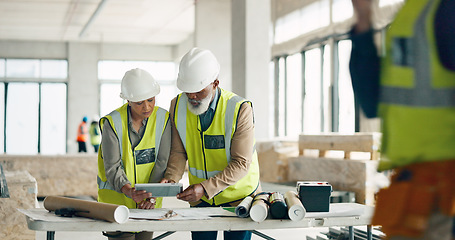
[213,129]
[134,149]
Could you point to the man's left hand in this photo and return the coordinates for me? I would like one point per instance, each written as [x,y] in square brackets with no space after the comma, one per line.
[192,194]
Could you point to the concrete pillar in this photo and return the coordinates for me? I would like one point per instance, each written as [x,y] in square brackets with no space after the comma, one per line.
[83,89]
[251,58]
[213,32]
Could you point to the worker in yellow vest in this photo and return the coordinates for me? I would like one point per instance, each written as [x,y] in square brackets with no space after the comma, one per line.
[135,147]
[95,134]
[213,129]
[412,88]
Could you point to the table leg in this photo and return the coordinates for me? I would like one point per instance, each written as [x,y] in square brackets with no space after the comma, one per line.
[261,235]
[50,235]
[369,232]
[351,233]
[163,235]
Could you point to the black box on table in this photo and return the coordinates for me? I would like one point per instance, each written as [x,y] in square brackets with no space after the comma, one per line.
[315,196]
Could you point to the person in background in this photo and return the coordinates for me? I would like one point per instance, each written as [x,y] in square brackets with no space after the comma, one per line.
[82,135]
[412,88]
[213,129]
[95,134]
[135,147]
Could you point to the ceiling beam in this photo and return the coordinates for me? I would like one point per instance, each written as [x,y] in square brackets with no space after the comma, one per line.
[92,18]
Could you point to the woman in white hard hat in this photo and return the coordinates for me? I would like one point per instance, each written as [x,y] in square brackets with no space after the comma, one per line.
[134,149]
[213,129]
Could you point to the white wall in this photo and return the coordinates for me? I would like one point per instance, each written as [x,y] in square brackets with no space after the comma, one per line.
[83,86]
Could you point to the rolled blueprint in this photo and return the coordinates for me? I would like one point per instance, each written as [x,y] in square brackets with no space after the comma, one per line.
[278,207]
[260,209]
[243,209]
[91,209]
[296,211]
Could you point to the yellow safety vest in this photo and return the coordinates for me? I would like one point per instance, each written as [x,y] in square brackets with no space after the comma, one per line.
[95,139]
[417,91]
[137,163]
[209,152]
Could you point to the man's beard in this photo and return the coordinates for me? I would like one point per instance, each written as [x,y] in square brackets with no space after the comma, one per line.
[201,107]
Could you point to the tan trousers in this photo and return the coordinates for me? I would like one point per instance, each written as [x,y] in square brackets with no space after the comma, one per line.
[439,228]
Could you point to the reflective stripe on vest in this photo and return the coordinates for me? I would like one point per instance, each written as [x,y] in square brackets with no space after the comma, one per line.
[415,52]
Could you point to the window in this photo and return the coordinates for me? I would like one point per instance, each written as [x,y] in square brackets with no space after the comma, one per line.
[53,118]
[294,95]
[342,10]
[316,90]
[282,100]
[33,118]
[22,118]
[345,92]
[312,105]
[110,74]
[301,21]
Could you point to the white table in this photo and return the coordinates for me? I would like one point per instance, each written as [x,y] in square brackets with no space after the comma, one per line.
[42,220]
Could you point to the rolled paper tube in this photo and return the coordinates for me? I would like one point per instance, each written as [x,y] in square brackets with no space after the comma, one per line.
[243,209]
[259,209]
[278,207]
[296,211]
[91,209]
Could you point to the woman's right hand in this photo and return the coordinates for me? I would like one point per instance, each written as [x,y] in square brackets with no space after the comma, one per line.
[136,195]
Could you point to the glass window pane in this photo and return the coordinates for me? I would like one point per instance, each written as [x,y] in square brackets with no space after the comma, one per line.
[342,10]
[281,97]
[271,104]
[167,93]
[313,16]
[112,70]
[294,95]
[164,71]
[22,118]
[2,116]
[2,68]
[53,118]
[54,69]
[110,98]
[22,68]
[383,3]
[346,95]
[312,102]
[326,84]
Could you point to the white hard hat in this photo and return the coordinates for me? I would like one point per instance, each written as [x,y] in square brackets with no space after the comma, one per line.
[138,85]
[197,70]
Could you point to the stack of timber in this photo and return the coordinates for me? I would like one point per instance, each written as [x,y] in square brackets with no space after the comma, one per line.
[64,175]
[273,158]
[347,162]
[22,191]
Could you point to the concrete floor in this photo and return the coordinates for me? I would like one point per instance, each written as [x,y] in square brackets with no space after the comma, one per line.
[169,202]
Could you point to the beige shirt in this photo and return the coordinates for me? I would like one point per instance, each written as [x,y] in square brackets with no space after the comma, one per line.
[241,154]
[111,153]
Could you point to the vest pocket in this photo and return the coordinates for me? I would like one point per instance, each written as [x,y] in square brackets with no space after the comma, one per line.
[214,141]
[145,156]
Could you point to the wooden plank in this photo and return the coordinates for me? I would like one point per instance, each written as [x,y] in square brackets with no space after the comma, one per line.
[357,176]
[358,142]
[4,193]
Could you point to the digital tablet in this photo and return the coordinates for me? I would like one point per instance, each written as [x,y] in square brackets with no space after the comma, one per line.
[161,189]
